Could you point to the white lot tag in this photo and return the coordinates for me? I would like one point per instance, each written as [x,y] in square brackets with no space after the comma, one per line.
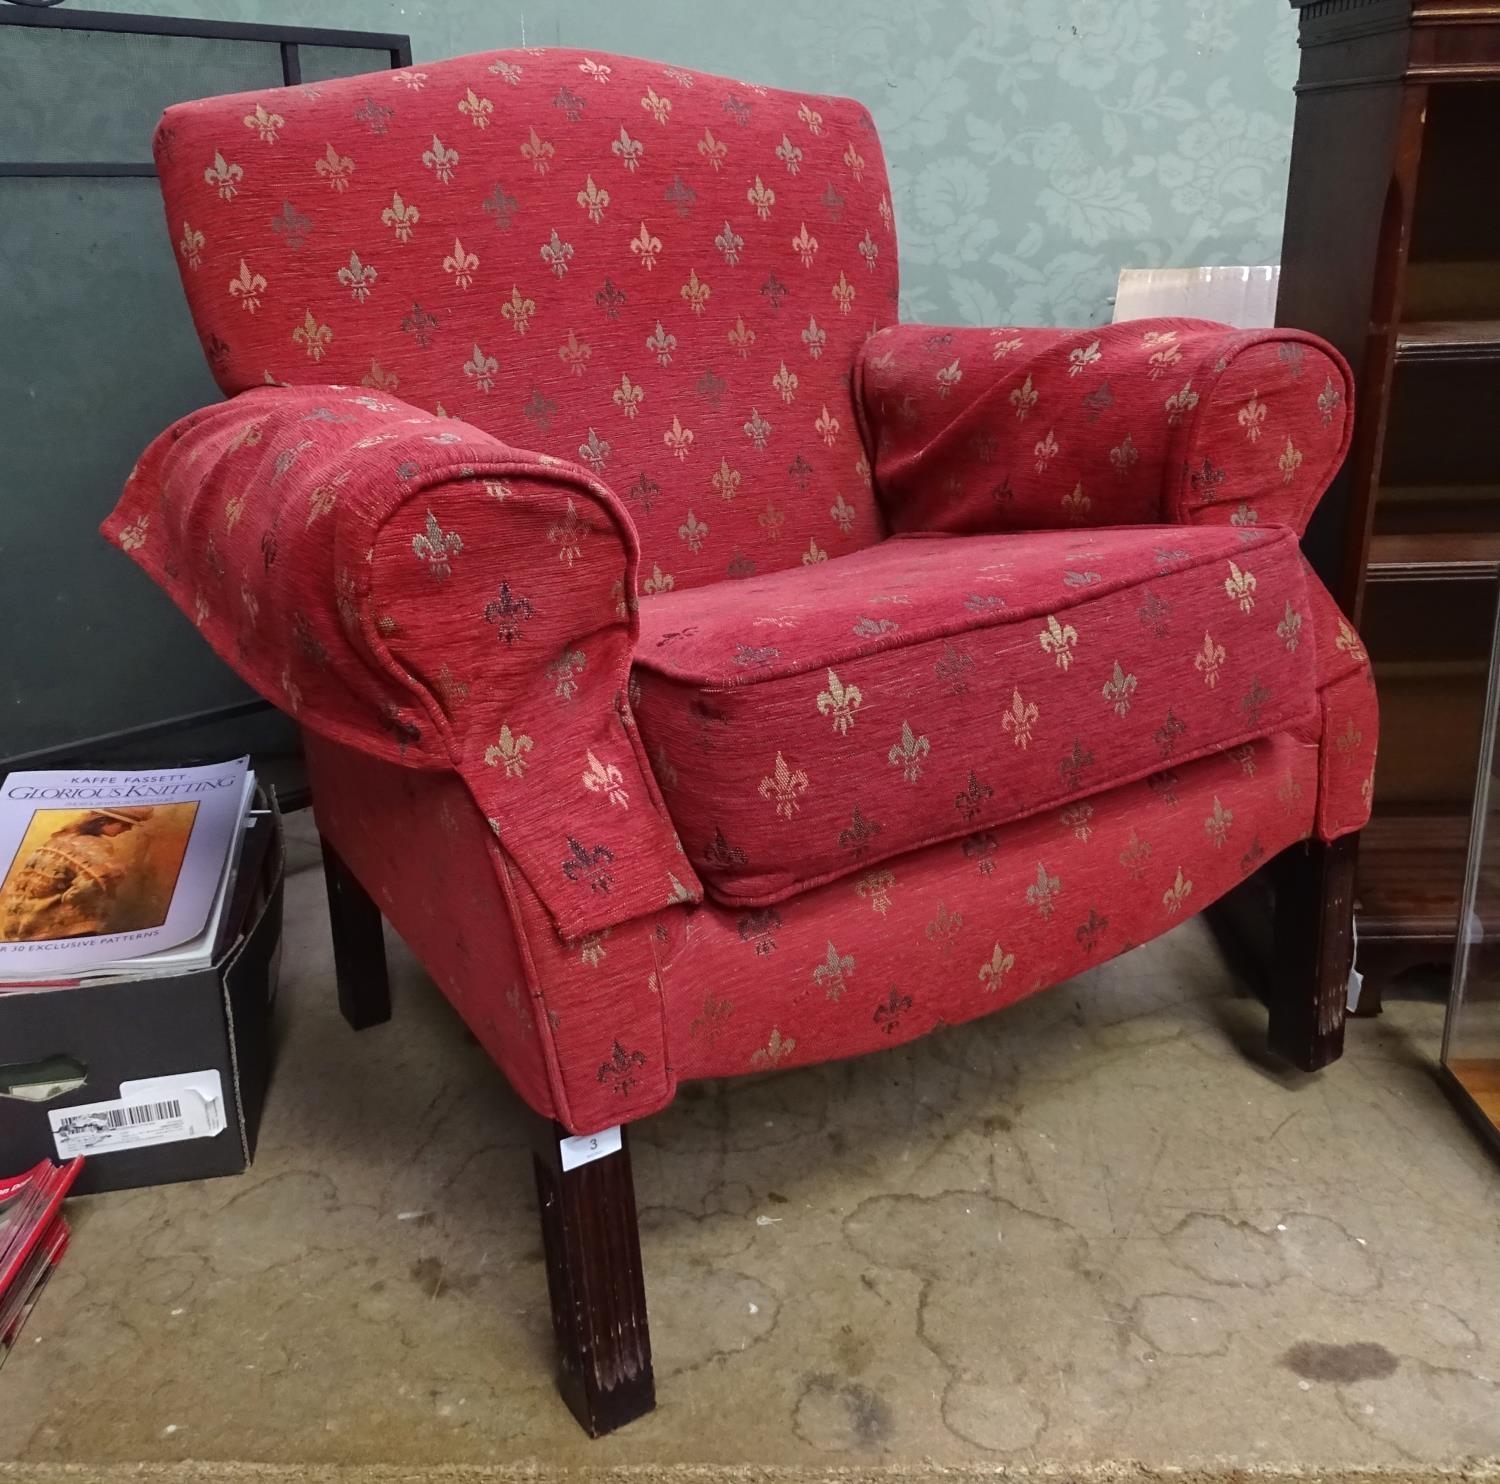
[151,1110]
[580,1149]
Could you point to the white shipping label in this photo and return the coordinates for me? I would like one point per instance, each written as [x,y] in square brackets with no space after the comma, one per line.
[580,1149]
[151,1110]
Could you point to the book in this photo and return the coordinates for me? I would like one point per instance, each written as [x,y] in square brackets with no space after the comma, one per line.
[33,1238]
[104,874]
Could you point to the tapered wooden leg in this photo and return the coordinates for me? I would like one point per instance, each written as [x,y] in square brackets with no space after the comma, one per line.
[358,945]
[594,1279]
[1314,949]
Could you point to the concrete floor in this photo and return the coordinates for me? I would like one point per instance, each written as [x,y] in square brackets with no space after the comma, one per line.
[1095,1227]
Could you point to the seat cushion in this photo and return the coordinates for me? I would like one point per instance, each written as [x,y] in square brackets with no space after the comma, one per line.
[813,721]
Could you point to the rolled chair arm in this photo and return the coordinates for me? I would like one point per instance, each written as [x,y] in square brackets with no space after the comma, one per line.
[1140,423]
[411,586]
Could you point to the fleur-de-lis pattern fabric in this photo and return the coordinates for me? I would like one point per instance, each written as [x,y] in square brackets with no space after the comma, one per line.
[809,724]
[657,273]
[1089,688]
[1148,420]
[411,586]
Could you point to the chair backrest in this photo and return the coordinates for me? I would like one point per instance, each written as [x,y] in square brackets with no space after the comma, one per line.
[660,274]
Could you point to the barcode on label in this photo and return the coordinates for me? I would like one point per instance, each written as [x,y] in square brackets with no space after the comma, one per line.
[139,1113]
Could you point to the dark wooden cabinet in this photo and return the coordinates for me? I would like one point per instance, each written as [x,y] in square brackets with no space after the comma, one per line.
[1392,252]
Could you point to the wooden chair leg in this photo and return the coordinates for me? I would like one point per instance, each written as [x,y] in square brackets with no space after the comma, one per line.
[1314,947]
[593,1253]
[358,945]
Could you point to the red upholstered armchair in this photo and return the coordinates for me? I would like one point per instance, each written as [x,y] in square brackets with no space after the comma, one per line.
[703,673]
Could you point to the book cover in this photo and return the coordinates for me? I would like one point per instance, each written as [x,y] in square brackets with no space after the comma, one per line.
[96,868]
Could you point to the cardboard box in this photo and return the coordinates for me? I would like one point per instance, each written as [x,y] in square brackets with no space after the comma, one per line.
[213,1022]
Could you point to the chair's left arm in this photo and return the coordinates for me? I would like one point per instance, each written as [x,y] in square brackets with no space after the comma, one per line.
[1144,422]
[415,588]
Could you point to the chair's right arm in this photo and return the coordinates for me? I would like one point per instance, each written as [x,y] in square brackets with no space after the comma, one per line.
[408,585]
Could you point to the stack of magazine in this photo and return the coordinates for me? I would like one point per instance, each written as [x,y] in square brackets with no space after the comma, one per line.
[118,875]
[33,1238]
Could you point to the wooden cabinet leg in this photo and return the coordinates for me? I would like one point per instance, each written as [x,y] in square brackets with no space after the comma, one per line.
[594,1279]
[1314,946]
[358,945]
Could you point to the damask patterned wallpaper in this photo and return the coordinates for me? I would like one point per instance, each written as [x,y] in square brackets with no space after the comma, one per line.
[1036,146]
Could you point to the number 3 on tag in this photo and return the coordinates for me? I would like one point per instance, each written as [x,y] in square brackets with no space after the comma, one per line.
[580,1149]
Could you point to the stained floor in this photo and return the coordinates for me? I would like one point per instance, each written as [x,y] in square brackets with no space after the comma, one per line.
[1095,1227]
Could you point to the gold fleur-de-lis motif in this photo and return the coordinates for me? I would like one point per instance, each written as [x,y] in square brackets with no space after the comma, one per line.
[509,752]
[814,554]
[1020,720]
[1209,660]
[1059,640]
[265,124]
[661,344]
[993,970]
[874,887]
[762,198]
[658,107]
[843,514]
[436,547]
[1329,399]
[627,150]
[741,337]
[224,177]
[840,701]
[1082,357]
[1135,855]
[757,429]
[1348,643]
[567,535]
[843,294]
[1118,690]
[557,254]
[784,785]
[1077,818]
[1289,462]
[133,537]
[461,265]
[833,973]
[678,438]
[359,278]
[696,292]
[826,426]
[1240,586]
[1216,825]
[771,519]
[335,168]
[563,672]
[606,779]
[1177,893]
[1076,505]
[854,161]
[313,337]
[537,152]
[814,337]
[191,245]
[594,200]
[481,369]
[789,155]
[1180,403]
[658,581]
[726,481]
[1024,399]
[645,246]
[713,150]
[575,353]
[774,1052]
[323,498]
[1289,630]
[1043,891]
[805,245]
[628,397]
[948,377]
[247,287]
[785,382]
[729,242]
[1251,416]
[400,217]
[693,531]
[1003,341]
[908,753]
[441,160]
[599,71]
[477,110]
[812,118]
[1164,349]
[517,310]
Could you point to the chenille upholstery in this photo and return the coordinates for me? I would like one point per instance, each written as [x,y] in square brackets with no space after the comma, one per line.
[704,673]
